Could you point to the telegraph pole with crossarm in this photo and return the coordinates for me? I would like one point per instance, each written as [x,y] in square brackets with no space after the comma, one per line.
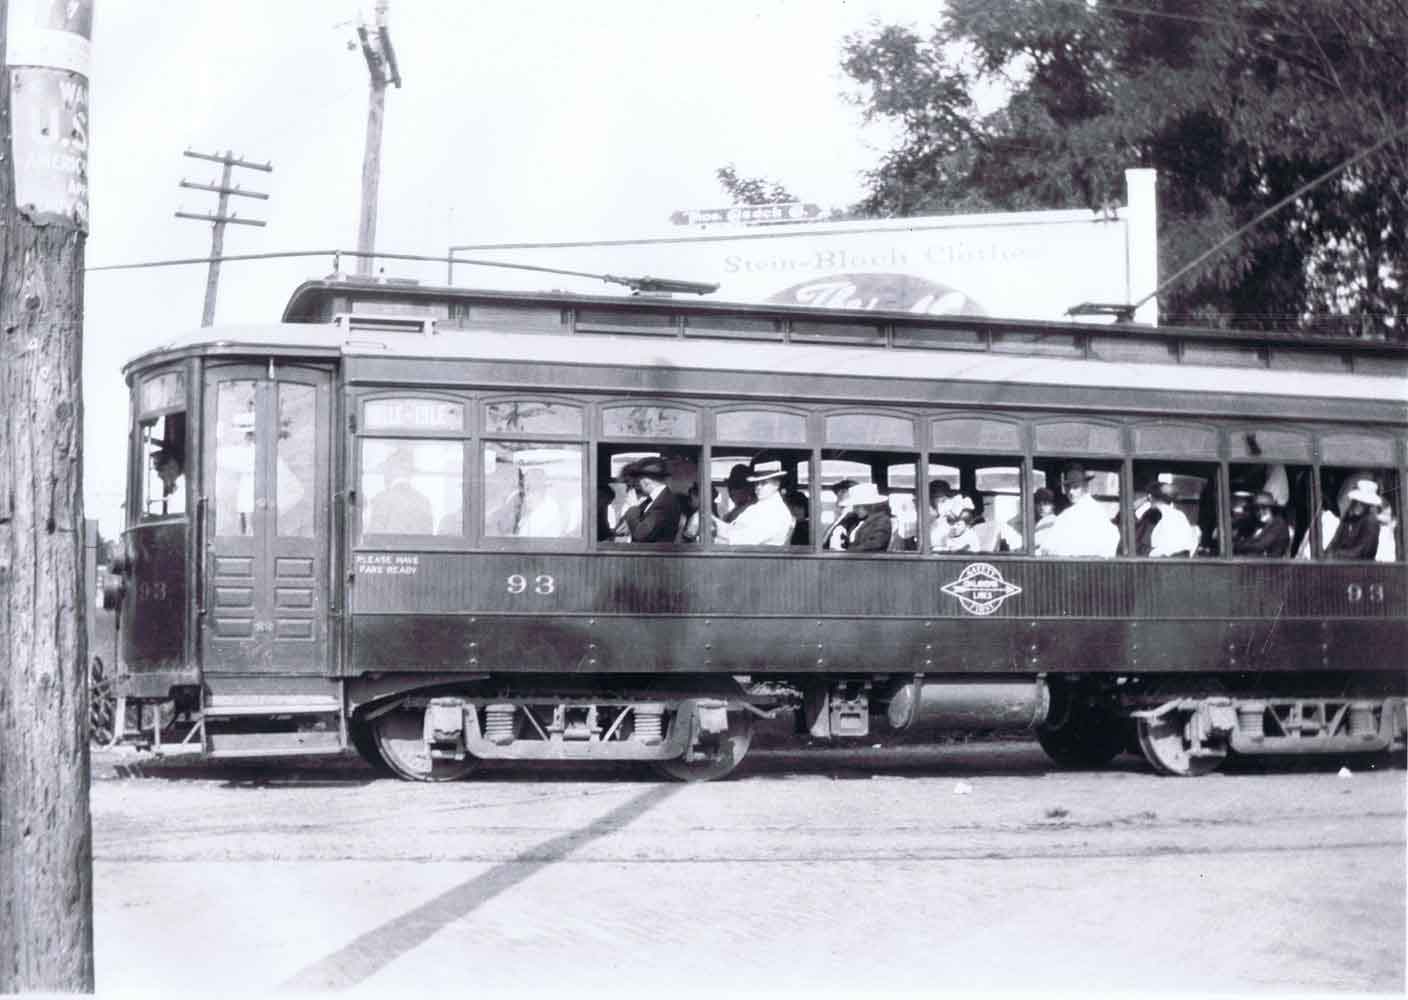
[221,216]
[382,69]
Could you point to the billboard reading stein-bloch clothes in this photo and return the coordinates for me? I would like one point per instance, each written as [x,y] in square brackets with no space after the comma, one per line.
[1027,265]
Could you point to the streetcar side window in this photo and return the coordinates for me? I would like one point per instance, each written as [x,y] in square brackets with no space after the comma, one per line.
[163,450]
[868,501]
[412,487]
[1358,519]
[974,504]
[1175,509]
[532,489]
[1096,484]
[1270,513]
[759,496]
[647,494]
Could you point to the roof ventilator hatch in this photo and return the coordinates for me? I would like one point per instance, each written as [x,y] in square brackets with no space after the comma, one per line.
[352,323]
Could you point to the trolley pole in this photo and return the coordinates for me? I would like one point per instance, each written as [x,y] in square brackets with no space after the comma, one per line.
[221,217]
[381,70]
[46,838]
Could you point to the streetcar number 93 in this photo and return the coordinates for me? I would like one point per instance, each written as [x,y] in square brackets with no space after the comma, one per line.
[1357,592]
[542,584]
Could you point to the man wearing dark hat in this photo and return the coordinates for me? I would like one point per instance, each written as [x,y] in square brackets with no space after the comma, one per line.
[1271,538]
[767,522]
[740,492]
[1083,528]
[657,518]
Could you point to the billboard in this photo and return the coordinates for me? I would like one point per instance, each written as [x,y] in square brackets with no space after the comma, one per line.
[1027,265]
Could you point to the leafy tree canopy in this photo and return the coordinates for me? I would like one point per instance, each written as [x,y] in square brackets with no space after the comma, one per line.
[1236,103]
[751,190]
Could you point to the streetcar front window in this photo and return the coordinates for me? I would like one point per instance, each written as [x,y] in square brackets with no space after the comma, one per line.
[163,450]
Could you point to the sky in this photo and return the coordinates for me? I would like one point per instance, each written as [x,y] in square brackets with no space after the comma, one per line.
[537,120]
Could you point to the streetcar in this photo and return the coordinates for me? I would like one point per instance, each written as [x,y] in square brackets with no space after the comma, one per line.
[399,520]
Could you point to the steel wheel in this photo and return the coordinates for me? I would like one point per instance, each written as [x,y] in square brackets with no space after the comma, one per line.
[1089,735]
[1161,741]
[728,754]
[363,738]
[400,741]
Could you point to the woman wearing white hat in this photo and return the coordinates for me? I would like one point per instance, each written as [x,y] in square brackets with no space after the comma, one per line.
[873,532]
[1358,534]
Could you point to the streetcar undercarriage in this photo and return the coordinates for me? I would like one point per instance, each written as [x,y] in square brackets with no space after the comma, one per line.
[700,728]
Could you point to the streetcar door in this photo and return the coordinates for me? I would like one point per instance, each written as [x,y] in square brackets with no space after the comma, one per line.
[265,522]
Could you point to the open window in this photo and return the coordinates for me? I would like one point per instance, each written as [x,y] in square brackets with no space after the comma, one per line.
[647,475]
[1360,499]
[870,477]
[1080,462]
[162,446]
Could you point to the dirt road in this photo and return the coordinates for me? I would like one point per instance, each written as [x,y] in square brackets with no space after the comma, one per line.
[957,868]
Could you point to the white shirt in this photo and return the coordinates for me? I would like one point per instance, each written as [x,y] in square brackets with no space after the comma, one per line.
[1083,529]
[1173,534]
[767,522]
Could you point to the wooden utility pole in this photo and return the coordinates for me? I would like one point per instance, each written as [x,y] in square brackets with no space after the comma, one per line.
[46,840]
[382,69]
[221,217]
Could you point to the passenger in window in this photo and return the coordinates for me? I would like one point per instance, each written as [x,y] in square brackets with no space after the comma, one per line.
[766,521]
[1044,503]
[838,535]
[1270,538]
[959,534]
[1388,535]
[874,530]
[657,518]
[541,515]
[1163,530]
[741,493]
[689,532]
[1245,520]
[798,506]
[170,469]
[400,508]
[1358,534]
[1082,529]
[606,519]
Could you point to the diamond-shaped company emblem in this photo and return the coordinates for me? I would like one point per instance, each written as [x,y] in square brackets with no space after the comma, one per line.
[980,588]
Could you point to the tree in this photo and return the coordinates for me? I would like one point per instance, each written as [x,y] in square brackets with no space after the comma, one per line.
[46,851]
[1237,104]
[751,190]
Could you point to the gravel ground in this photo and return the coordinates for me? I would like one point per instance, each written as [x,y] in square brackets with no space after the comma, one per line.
[958,868]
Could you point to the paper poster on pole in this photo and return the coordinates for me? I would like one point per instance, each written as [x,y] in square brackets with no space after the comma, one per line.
[48,52]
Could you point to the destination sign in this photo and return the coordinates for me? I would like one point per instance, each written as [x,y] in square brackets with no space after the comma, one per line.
[748,215]
[412,415]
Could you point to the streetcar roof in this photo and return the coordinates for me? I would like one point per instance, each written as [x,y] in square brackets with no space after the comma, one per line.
[330,341]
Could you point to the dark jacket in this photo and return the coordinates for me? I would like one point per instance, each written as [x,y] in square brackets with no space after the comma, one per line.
[1272,540]
[655,520]
[845,525]
[1144,530]
[1356,538]
[873,535]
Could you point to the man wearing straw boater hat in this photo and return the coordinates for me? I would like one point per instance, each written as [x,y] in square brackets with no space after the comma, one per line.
[1358,534]
[1083,528]
[766,521]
